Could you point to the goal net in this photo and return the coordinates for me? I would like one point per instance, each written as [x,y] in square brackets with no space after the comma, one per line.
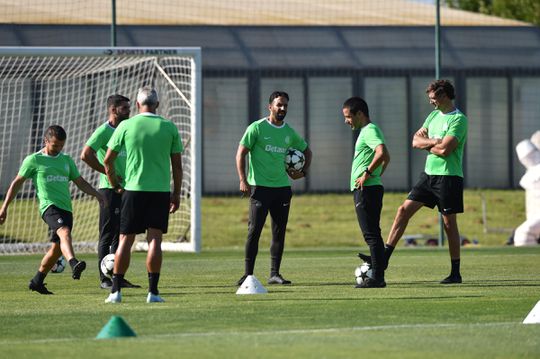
[69,87]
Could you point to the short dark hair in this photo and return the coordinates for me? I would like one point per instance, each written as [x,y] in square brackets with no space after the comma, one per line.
[277,94]
[55,131]
[442,86]
[116,100]
[355,104]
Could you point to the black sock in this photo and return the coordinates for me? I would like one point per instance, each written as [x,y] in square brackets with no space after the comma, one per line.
[116,280]
[39,277]
[249,266]
[455,267]
[388,249]
[72,262]
[153,280]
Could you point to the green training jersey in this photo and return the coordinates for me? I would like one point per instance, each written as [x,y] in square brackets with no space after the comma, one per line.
[149,141]
[51,176]
[369,138]
[98,142]
[440,125]
[268,145]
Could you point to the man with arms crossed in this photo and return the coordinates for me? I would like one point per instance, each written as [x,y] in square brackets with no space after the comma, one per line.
[50,171]
[266,141]
[370,160]
[443,136]
[152,145]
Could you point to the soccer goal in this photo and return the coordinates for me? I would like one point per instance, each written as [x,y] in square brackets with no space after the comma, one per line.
[40,87]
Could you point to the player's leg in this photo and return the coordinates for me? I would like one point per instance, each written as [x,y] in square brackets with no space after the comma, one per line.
[368,206]
[131,222]
[258,210]
[279,211]
[66,245]
[108,231]
[157,222]
[451,202]
[420,195]
[154,259]
[49,259]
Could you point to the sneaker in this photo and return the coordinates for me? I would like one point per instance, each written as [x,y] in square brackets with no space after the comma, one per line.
[371,283]
[241,280]
[78,269]
[40,288]
[365,257]
[106,283]
[154,298]
[278,279]
[451,279]
[115,297]
[127,284]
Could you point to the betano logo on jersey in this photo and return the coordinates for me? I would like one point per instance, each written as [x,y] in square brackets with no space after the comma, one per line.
[275,149]
[57,178]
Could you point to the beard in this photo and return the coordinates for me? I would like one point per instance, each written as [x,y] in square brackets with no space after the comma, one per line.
[281,116]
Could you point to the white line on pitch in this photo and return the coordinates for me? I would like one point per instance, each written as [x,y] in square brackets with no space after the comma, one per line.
[274,332]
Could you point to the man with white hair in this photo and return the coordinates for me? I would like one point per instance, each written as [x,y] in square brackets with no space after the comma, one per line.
[152,145]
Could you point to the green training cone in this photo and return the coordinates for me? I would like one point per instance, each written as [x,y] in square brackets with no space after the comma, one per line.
[116,328]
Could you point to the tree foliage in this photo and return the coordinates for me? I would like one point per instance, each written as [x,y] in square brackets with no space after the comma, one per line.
[523,10]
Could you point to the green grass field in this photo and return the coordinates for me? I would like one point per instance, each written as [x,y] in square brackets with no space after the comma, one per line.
[320,316]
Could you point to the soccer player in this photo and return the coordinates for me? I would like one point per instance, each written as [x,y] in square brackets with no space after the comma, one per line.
[443,136]
[266,141]
[93,154]
[152,145]
[369,162]
[50,171]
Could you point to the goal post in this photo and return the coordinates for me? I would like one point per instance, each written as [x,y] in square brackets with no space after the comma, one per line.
[68,86]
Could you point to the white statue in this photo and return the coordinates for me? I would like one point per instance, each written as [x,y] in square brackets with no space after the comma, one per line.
[528,151]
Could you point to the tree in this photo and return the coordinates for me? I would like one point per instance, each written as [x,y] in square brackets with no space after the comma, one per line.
[523,10]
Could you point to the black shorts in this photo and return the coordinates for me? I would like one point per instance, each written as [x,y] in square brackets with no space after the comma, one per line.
[57,218]
[445,192]
[143,210]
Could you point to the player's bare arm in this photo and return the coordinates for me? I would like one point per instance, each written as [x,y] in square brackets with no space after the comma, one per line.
[294,174]
[88,155]
[446,147]
[84,186]
[108,163]
[241,154]
[176,163]
[13,189]
[422,141]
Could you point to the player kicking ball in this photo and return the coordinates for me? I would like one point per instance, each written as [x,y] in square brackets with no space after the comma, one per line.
[50,171]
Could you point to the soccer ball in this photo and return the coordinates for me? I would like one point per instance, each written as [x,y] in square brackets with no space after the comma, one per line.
[294,159]
[59,266]
[107,265]
[363,272]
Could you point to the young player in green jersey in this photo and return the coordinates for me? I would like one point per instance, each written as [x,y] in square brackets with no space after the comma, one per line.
[153,146]
[443,136]
[93,154]
[369,162]
[50,171]
[266,141]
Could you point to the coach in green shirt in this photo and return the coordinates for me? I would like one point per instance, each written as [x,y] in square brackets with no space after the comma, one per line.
[369,162]
[152,146]
[267,141]
[443,136]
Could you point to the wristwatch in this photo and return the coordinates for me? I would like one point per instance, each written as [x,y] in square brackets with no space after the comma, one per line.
[368,171]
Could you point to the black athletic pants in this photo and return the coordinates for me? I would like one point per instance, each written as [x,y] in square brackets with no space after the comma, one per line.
[368,205]
[277,201]
[109,225]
